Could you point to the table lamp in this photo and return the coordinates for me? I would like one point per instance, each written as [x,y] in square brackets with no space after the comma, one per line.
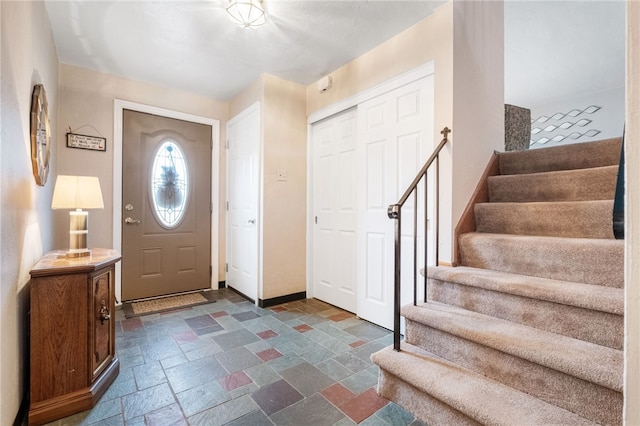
[77,193]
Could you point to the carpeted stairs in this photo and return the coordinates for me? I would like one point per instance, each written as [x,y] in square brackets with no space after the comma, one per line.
[529,329]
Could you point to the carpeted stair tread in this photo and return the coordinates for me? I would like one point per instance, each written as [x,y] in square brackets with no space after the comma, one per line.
[596,183]
[569,219]
[483,400]
[590,362]
[563,157]
[560,388]
[594,297]
[581,260]
[591,313]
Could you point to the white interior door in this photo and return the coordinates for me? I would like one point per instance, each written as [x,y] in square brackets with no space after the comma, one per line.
[243,205]
[334,209]
[395,136]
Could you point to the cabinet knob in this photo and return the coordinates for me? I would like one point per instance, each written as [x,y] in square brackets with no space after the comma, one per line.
[104,313]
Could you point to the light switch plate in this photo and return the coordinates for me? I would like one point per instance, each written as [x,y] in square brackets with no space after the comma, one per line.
[281,175]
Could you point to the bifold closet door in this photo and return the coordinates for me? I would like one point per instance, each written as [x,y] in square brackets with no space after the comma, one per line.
[362,160]
[334,210]
[395,137]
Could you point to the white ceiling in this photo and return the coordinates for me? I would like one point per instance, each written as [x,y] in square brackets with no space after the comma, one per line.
[553,49]
[192,45]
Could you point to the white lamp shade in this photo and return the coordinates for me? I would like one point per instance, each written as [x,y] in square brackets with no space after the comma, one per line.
[77,192]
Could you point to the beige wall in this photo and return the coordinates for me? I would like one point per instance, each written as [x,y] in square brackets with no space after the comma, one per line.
[86,103]
[284,148]
[478,97]
[632,213]
[28,57]
[284,210]
[250,95]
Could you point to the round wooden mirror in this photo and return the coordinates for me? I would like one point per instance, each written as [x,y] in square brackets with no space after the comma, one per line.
[40,135]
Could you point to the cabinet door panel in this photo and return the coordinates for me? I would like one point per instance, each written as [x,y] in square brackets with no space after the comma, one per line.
[58,363]
[102,343]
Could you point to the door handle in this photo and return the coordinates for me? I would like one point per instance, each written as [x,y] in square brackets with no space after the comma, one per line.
[131,221]
[252,221]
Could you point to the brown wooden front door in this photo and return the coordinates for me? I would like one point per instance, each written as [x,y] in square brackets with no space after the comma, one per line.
[166,201]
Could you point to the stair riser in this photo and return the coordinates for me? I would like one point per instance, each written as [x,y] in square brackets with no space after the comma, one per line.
[597,327]
[580,219]
[564,157]
[421,404]
[591,401]
[575,260]
[574,185]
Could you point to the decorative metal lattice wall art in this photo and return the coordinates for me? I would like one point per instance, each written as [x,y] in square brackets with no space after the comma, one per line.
[567,124]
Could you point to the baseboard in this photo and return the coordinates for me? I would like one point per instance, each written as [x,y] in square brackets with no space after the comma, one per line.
[282,299]
[239,293]
[21,417]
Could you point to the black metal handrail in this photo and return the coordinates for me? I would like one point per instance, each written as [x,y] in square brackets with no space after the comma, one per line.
[394,212]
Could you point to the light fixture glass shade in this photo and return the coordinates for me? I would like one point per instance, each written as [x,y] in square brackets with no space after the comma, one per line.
[77,192]
[247,13]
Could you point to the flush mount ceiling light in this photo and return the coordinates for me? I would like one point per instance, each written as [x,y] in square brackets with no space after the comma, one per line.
[247,13]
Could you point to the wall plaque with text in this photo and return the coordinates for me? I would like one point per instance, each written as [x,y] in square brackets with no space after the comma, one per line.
[86,142]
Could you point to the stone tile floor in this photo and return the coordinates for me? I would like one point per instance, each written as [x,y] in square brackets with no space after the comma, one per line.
[232,363]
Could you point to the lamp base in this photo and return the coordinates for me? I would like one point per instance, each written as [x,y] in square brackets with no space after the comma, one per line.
[78,253]
[78,232]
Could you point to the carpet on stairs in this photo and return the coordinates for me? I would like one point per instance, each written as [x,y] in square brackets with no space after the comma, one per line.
[532,319]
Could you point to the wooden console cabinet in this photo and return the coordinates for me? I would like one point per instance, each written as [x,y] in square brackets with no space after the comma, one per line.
[72,333]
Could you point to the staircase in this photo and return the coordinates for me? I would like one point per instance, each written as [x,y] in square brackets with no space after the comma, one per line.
[529,329]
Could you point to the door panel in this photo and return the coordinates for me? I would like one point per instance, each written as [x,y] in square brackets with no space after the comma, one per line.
[103,346]
[395,137]
[166,234]
[334,207]
[243,192]
[376,269]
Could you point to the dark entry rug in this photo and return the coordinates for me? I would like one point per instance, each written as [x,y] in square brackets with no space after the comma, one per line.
[166,303]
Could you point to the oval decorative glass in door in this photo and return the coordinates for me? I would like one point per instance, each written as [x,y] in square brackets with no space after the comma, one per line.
[169,184]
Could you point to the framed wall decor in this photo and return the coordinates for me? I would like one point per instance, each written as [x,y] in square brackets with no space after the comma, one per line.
[94,143]
[40,135]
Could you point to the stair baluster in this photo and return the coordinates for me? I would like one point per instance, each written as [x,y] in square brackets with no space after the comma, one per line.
[395,213]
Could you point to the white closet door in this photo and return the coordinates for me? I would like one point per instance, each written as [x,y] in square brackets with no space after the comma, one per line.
[243,207]
[334,209]
[395,137]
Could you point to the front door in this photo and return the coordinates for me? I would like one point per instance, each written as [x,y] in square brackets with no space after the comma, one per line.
[243,196]
[166,200]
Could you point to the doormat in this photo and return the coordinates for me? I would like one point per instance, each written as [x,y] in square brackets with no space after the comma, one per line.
[165,304]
